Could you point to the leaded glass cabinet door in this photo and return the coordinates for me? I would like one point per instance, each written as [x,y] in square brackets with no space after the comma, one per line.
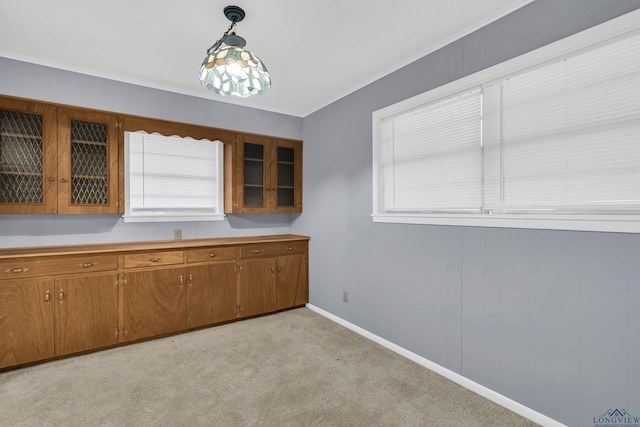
[28,171]
[88,162]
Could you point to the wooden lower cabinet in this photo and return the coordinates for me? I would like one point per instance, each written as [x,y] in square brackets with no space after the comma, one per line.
[292,281]
[26,321]
[257,287]
[59,301]
[41,319]
[159,302]
[154,303]
[274,283]
[86,313]
[211,294]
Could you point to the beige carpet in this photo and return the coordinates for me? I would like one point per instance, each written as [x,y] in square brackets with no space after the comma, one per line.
[294,368]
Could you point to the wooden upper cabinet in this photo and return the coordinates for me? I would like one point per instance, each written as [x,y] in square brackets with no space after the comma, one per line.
[61,159]
[286,179]
[263,175]
[87,162]
[57,160]
[28,157]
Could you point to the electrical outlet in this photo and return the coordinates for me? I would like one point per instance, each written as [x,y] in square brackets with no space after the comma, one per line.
[345,296]
[177,234]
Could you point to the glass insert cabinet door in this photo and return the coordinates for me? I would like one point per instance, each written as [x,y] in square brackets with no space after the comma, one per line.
[269,174]
[288,176]
[254,175]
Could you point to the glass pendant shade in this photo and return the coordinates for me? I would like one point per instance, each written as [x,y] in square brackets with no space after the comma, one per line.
[232,70]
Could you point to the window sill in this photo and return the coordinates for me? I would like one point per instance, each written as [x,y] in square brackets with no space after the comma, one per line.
[608,223]
[171,218]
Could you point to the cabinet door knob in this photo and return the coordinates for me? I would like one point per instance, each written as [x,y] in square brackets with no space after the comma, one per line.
[63,179]
[190,279]
[181,280]
[51,179]
[47,296]
[61,296]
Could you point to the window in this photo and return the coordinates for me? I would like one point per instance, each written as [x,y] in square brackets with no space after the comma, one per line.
[432,158]
[549,141]
[172,178]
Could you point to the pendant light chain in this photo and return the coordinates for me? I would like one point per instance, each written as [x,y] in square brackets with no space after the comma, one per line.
[218,43]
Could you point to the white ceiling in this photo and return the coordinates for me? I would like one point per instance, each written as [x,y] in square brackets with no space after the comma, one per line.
[317,51]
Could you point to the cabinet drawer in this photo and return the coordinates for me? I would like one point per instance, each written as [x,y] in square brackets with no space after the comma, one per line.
[211,254]
[273,249]
[47,266]
[150,259]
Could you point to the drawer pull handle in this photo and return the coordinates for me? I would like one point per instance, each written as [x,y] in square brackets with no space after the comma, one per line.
[257,251]
[290,248]
[17,270]
[88,264]
[155,259]
[213,254]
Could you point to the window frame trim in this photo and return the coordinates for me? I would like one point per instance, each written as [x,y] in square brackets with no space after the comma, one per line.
[589,38]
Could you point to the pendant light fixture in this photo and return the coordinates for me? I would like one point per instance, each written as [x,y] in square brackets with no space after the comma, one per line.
[231,69]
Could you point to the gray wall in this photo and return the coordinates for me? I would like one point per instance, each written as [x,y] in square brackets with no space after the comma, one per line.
[52,85]
[546,318]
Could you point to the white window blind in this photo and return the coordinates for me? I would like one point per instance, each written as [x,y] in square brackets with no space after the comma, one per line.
[173,178]
[570,134]
[432,157]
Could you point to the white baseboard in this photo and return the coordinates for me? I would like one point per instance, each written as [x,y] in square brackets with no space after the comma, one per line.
[483,391]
